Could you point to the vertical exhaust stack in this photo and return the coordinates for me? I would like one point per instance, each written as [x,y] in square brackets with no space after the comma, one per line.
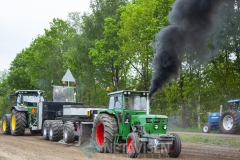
[148,106]
[192,23]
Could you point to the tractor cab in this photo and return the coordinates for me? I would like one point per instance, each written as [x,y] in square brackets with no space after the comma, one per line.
[64,94]
[128,100]
[25,98]
[28,98]
[233,105]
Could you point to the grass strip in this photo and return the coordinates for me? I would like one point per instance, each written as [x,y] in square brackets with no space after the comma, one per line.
[229,141]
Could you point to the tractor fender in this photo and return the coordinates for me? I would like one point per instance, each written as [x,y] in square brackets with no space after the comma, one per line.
[111,113]
[17,108]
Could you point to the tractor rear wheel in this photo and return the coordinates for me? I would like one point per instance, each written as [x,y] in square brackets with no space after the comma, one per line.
[6,124]
[103,131]
[68,132]
[206,128]
[229,123]
[132,145]
[18,123]
[45,129]
[175,149]
[55,130]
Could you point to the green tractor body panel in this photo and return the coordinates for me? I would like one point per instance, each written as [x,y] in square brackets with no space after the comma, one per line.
[130,110]
[153,124]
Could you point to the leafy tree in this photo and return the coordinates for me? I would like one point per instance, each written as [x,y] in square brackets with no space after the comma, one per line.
[107,58]
[3,74]
[46,55]
[140,22]
[18,77]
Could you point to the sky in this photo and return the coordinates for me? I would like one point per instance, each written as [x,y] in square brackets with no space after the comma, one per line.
[23,20]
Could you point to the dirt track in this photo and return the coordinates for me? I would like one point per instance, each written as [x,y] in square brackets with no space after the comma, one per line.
[31,147]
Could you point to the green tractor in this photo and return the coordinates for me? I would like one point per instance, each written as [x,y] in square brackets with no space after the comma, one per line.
[128,123]
[24,107]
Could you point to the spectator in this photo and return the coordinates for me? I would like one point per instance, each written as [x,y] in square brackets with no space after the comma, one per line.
[59,97]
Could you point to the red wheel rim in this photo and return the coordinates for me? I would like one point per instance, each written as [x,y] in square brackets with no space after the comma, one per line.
[130,145]
[78,128]
[100,134]
[172,148]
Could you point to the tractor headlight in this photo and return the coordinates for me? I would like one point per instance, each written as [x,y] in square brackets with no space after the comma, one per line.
[164,126]
[155,126]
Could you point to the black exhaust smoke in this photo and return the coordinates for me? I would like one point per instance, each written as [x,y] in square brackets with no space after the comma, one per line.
[192,23]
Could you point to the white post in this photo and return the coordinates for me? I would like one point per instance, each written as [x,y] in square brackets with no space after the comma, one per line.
[220,110]
[147,110]
[74,99]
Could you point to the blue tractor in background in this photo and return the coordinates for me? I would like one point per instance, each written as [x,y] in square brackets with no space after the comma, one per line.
[228,122]
[213,122]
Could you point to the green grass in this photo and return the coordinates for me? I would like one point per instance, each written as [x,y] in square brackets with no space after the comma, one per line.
[230,141]
[175,129]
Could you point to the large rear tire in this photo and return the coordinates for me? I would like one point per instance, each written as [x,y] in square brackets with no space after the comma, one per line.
[18,123]
[175,148]
[55,130]
[103,131]
[229,122]
[6,124]
[132,145]
[206,128]
[68,132]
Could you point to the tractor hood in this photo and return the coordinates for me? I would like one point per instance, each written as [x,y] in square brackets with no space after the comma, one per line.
[153,124]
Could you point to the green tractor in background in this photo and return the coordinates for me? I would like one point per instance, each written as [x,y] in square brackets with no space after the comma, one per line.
[127,121]
[24,106]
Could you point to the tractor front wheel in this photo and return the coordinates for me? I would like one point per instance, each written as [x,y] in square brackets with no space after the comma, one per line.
[206,128]
[18,123]
[175,149]
[6,124]
[103,131]
[132,145]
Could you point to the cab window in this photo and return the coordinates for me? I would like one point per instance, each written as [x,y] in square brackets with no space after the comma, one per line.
[118,103]
[111,103]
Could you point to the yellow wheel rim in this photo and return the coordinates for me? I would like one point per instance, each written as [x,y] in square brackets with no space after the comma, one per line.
[4,125]
[13,122]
